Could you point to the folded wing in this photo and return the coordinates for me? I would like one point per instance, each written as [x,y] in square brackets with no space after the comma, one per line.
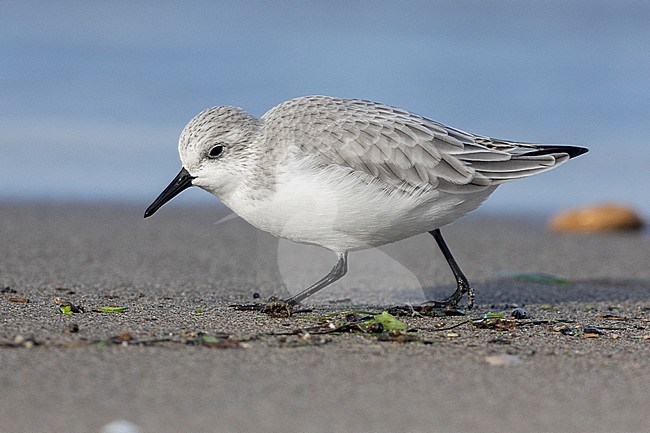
[404,150]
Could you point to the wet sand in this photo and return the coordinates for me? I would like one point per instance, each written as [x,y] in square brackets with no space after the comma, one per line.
[580,362]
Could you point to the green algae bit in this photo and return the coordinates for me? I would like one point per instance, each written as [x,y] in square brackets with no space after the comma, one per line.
[111,309]
[388,321]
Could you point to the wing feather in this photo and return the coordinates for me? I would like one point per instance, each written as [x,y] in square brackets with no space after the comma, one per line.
[401,149]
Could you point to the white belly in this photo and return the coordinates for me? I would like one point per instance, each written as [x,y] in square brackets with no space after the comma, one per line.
[338,210]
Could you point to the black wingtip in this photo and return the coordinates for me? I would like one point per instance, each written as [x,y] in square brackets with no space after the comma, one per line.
[572,151]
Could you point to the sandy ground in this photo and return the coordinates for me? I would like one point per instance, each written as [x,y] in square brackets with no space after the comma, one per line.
[178,359]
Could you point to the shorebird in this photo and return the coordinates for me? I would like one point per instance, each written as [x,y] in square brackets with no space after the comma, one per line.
[349,174]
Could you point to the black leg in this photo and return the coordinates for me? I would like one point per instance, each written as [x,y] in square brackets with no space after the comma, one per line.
[462,285]
[336,273]
[283,307]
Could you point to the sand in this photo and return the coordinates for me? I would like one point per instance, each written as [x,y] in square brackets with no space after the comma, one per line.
[179,359]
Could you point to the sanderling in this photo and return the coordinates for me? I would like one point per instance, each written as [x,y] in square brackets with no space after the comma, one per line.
[349,174]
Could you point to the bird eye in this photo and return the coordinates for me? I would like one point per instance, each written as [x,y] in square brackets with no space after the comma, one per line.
[216,151]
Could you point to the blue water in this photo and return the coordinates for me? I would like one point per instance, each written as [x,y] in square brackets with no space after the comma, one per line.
[93,95]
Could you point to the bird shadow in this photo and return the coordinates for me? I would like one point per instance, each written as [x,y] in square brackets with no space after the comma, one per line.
[514,290]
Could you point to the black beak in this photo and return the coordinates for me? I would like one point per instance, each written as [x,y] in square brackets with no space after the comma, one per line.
[182,181]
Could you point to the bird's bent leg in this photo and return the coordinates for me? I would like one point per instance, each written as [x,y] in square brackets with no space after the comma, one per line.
[283,308]
[338,271]
[462,285]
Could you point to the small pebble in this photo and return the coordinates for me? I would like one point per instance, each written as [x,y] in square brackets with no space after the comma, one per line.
[503,360]
[519,313]
[121,426]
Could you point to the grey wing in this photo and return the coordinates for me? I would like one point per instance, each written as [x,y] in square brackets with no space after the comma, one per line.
[402,149]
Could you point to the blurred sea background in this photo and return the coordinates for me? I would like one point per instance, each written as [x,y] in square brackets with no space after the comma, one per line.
[93,95]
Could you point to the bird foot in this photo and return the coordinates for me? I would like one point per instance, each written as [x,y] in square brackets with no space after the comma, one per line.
[453,300]
[445,307]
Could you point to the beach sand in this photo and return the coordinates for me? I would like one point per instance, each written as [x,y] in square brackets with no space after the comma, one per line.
[178,358]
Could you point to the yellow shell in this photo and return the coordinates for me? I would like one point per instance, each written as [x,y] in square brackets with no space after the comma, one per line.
[602,218]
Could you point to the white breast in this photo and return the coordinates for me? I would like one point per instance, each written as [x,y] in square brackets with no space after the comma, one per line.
[344,210]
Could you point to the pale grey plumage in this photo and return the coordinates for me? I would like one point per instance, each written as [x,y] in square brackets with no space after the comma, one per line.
[349,174]
[400,148]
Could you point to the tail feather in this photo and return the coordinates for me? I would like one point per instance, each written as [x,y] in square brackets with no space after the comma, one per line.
[572,151]
[525,160]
